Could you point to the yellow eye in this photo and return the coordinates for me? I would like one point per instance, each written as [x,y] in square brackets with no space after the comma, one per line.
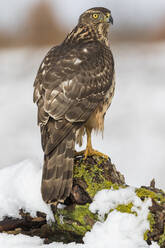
[108,15]
[95,16]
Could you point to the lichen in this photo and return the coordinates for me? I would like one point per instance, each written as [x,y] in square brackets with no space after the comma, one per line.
[78,220]
[145,193]
[158,201]
[162,238]
[151,221]
[93,176]
[146,235]
[126,208]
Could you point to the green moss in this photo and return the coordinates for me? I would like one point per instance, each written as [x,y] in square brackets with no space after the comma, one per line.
[160,199]
[126,208]
[151,220]
[80,220]
[146,235]
[162,238]
[145,193]
[93,176]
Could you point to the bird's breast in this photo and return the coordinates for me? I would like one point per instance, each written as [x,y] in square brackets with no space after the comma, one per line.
[96,120]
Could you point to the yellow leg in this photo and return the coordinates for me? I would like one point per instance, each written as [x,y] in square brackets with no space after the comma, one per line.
[89,150]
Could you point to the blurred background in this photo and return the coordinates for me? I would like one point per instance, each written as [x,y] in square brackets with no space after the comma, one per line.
[134,134]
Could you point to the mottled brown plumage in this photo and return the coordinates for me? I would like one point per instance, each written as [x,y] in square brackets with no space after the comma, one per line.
[73,89]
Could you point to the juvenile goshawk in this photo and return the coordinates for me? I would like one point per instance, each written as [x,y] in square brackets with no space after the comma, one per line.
[73,89]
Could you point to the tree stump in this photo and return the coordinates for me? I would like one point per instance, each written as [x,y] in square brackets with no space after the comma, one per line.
[73,218]
[90,175]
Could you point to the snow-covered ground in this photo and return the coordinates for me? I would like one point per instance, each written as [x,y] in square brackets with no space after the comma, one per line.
[20,188]
[134,134]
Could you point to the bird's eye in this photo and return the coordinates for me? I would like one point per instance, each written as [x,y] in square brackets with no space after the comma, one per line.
[95,16]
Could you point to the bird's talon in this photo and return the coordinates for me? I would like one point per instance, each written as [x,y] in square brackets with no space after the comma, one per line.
[92,152]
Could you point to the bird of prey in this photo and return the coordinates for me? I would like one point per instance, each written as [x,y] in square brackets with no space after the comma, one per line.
[73,89]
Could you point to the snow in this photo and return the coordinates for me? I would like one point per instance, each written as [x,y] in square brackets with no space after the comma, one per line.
[109,199]
[119,230]
[128,227]
[20,188]
[101,241]
[19,241]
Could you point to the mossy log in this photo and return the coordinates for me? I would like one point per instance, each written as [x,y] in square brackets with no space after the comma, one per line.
[90,175]
[156,216]
[74,219]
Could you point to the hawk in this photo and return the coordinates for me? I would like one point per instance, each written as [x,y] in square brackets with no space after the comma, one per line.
[73,89]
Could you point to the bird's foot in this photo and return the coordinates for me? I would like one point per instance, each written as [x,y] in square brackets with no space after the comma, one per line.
[89,152]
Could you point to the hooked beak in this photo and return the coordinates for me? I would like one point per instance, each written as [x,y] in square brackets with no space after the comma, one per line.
[111,19]
[108,19]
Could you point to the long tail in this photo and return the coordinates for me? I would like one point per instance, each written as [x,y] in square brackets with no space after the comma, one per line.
[58,170]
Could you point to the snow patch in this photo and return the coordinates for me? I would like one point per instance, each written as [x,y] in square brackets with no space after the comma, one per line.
[106,199]
[123,229]
[119,230]
[20,188]
[19,241]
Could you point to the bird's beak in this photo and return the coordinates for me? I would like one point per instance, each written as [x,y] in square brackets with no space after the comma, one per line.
[111,19]
[108,18]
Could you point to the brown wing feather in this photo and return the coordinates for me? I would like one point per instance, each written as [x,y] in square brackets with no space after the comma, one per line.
[70,84]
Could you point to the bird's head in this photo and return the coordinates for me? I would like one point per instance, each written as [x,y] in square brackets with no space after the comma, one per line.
[96,16]
[98,19]
[93,24]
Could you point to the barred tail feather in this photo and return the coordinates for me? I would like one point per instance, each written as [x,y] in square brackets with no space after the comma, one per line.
[58,171]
